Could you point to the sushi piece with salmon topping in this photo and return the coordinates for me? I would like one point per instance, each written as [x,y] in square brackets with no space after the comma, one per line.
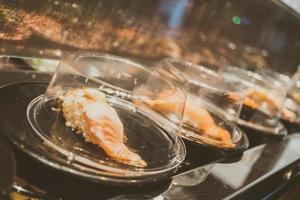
[195,116]
[87,111]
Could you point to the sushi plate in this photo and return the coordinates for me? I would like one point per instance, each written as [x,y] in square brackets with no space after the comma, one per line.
[14,101]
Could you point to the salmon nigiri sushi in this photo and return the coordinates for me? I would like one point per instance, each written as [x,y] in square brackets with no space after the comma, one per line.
[88,111]
[195,116]
[255,100]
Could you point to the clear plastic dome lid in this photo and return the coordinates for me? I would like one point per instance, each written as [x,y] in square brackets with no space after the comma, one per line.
[292,103]
[278,80]
[213,104]
[262,102]
[290,110]
[294,91]
[96,114]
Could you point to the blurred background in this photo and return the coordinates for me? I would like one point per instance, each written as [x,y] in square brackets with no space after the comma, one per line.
[249,34]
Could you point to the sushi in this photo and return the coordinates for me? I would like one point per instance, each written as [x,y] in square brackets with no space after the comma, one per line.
[261,101]
[194,116]
[87,111]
